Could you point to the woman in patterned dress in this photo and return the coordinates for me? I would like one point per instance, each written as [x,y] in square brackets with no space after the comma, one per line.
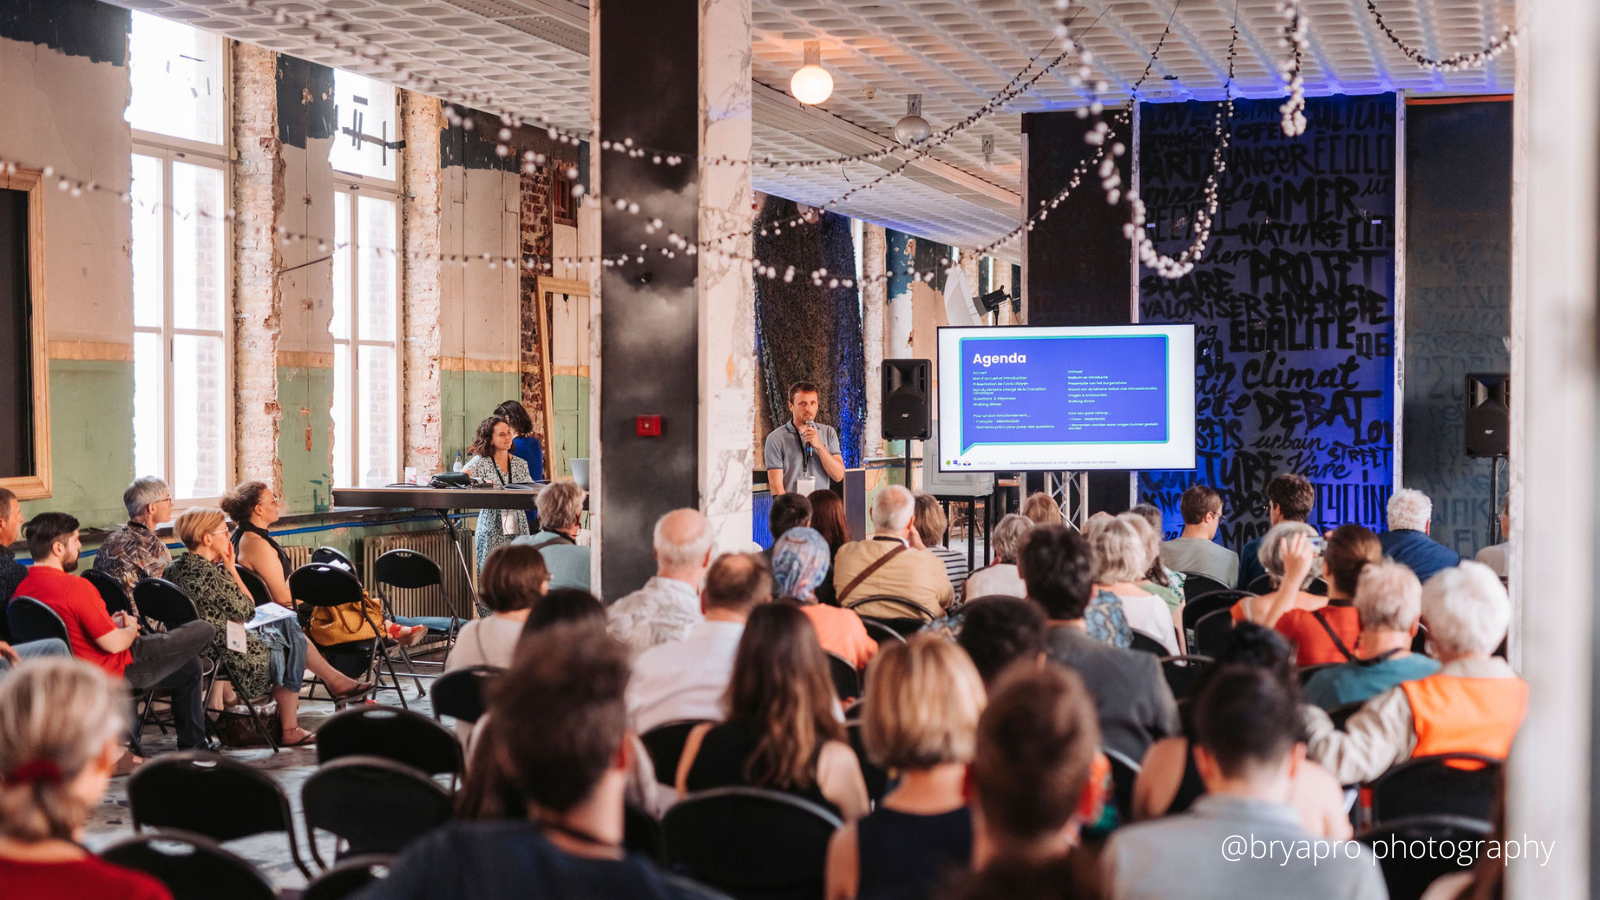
[492,461]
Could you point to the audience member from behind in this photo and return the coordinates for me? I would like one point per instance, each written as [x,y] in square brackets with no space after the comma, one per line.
[781,732]
[1408,542]
[827,517]
[513,582]
[686,679]
[799,564]
[61,724]
[892,562]
[1388,603]
[1473,704]
[1132,699]
[565,605]
[1159,580]
[11,571]
[931,524]
[669,603]
[1248,731]
[1290,558]
[1000,579]
[922,723]
[1042,509]
[1196,549]
[1120,607]
[274,658]
[132,551]
[1328,634]
[998,631]
[564,738]
[167,660]
[788,511]
[560,514]
[1169,779]
[1289,499]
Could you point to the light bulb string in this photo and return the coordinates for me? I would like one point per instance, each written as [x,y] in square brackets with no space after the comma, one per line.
[1473,60]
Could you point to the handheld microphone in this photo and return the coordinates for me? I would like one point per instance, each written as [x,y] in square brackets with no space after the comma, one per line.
[810,450]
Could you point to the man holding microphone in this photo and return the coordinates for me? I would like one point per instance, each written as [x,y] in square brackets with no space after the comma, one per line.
[803,454]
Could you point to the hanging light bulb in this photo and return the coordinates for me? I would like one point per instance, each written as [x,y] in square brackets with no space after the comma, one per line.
[811,83]
[912,127]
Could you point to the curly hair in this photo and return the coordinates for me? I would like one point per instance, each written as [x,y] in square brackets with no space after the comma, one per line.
[483,441]
[241,503]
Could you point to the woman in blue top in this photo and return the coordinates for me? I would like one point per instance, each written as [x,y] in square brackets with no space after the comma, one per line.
[524,445]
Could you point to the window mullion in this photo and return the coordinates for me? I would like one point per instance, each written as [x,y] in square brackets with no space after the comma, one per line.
[168,344]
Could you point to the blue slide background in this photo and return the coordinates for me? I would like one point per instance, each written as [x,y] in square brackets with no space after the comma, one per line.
[1077,390]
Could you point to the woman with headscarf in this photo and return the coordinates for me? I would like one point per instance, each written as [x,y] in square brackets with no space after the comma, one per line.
[800,563]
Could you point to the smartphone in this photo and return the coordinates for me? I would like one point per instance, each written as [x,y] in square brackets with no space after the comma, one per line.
[1318,543]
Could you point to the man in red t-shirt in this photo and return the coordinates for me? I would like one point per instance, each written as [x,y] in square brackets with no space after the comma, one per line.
[167,661]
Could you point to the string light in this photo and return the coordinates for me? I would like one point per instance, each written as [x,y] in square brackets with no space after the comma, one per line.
[1475,60]
[1294,37]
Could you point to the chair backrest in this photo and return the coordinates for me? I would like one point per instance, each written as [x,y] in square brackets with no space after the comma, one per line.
[880,632]
[846,680]
[1183,673]
[347,877]
[1148,644]
[641,833]
[750,843]
[31,620]
[111,591]
[1211,632]
[396,734]
[1453,784]
[406,569]
[1341,714]
[1304,673]
[876,778]
[1263,585]
[333,557]
[1408,875]
[1124,772]
[159,600]
[191,866]
[664,743]
[1201,604]
[321,584]
[209,795]
[254,584]
[374,805]
[459,693]
[912,611]
[1196,585]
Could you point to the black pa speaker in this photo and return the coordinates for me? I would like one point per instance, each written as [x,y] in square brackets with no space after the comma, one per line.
[1488,415]
[906,411]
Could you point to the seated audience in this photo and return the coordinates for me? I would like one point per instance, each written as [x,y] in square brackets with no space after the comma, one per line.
[686,679]
[1328,635]
[132,551]
[490,461]
[669,603]
[254,508]
[1131,696]
[892,562]
[13,656]
[1289,499]
[1498,556]
[1407,541]
[923,720]
[827,517]
[1042,509]
[1248,732]
[1000,578]
[781,731]
[998,631]
[11,571]
[931,523]
[165,660]
[1120,607]
[1288,554]
[1169,779]
[788,511]
[560,514]
[61,721]
[799,564]
[563,737]
[1196,549]
[1388,603]
[1473,704]
[513,582]
[564,605]
[1163,582]
[274,657]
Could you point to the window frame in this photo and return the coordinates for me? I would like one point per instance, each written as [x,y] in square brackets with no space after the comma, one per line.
[38,485]
[349,188]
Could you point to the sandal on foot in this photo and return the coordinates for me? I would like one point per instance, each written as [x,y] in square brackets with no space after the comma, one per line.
[362,687]
[306,737]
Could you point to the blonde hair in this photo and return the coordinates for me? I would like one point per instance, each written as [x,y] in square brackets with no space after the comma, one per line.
[56,714]
[926,699]
[1041,509]
[195,523]
[1118,547]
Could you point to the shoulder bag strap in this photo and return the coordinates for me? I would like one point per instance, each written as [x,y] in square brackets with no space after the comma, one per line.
[864,573]
[1337,641]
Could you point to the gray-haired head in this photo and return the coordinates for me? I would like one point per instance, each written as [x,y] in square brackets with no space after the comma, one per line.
[1466,610]
[1009,533]
[144,493]
[560,505]
[1271,553]
[1409,509]
[683,539]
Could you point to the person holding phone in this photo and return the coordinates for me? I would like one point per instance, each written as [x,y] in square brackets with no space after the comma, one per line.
[803,454]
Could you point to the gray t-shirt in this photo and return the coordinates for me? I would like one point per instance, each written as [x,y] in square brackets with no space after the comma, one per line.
[786,451]
[1203,557]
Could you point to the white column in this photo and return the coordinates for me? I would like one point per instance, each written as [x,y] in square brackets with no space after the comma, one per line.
[874,292]
[723,285]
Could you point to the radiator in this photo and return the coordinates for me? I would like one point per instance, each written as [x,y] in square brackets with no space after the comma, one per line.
[435,545]
[298,556]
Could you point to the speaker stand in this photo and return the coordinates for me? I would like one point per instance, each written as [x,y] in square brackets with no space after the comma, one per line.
[907,444]
[1494,500]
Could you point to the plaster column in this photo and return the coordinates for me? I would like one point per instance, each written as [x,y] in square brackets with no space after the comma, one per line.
[420,123]
[901,261]
[874,294]
[969,274]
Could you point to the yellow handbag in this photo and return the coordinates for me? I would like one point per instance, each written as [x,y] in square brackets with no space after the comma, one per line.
[343,624]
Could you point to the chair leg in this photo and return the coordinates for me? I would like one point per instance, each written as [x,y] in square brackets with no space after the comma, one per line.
[255,715]
[379,649]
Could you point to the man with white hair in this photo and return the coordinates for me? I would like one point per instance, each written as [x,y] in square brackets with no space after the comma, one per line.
[1388,601]
[1473,704]
[893,562]
[133,551]
[1407,540]
[668,605]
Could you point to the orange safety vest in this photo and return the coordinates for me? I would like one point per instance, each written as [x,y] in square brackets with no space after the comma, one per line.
[1452,714]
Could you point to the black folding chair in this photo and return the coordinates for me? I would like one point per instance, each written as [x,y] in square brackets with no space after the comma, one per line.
[1341,714]
[1200,605]
[881,632]
[1449,784]
[1408,875]
[1124,772]
[409,570]
[371,805]
[459,694]
[874,775]
[911,616]
[641,833]
[1196,585]
[846,680]
[1305,672]
[347,877]
[325,585]
[1211,633]
[395,734]
[333,557]
[1148,644]
[31,620]
[191,866]
[750,843]
[111,591]
[1183,673]
[210,795]
[664,743]
[254,584]
[1263,585]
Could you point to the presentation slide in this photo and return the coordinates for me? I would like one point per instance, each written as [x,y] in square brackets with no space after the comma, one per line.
[1044,398]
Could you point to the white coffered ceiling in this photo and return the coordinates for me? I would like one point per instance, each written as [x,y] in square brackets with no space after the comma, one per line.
[530,57]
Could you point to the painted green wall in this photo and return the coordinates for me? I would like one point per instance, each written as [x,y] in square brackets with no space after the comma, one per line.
[570,418]
[467,398]
[304,434]
[91,440]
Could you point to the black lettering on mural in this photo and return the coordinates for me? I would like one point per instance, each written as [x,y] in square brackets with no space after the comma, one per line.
[1293,300]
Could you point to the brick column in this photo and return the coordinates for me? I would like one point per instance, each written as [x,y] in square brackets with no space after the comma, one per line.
[874,303]
[420,123]
[257,204]
[536,225]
